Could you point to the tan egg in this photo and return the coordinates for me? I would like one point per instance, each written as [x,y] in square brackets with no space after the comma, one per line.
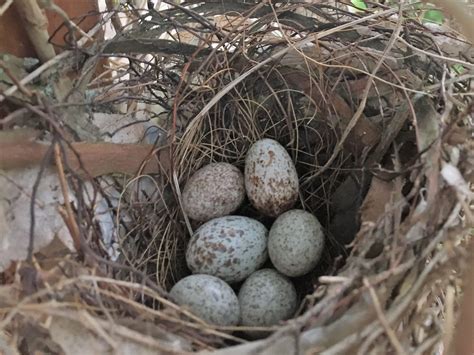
[213,191]
[271,180]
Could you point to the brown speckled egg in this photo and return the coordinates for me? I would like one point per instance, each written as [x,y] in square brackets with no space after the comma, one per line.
[271,180]
[230,247]
[213,191]
[209,298]
[295,242]
[266,298]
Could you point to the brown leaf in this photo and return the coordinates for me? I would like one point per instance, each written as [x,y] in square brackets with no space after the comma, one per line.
[376,199]
[49,255]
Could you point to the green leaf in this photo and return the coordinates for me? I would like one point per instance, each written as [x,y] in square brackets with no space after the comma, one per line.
[458,68]
[434,16]
[359,4]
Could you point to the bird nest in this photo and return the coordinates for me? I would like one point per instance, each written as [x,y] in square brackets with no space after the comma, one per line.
[373,108]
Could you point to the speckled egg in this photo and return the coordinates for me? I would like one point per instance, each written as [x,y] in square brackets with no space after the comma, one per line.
[271,180]
[295,242]
[266,298]
[209,298]
[213,191]
[230,247]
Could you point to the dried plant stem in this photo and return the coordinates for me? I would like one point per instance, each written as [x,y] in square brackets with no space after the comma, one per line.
[378,308]
[5,6]
[36,25]
[71,220]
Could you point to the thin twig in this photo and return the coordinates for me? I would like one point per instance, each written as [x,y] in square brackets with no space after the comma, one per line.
[9,73]
[75,234]
[5,6]
[378,308]
[34,192]
[36,25]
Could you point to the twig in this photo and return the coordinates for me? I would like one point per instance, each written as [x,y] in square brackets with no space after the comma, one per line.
[332,279]
[49,4]
[7,71]
[373,330]
[437,56]
[75,234]
[378,309]
[5,6]
[116,23]
[180,201]
[449,318]
[13,116]
[36,25]
[34,191]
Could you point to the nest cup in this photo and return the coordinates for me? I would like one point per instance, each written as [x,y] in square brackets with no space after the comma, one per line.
[362,164]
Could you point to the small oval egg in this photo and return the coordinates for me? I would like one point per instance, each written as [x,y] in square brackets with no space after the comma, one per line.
[209,298]
[295,242]
[271,180]
[266,298]
[230,247]
[213,191]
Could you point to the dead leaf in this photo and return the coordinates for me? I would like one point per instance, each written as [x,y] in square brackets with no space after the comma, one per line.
[74,339]
[9,295]
[427,123]
[119,128]
[376,199]
[35,339]
[49,256]
[15,218]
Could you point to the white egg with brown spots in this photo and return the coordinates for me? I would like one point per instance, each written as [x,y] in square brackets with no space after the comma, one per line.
[230,247]
[209,298]
[215,190]
[295,242]
[271,180]
[266,298]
